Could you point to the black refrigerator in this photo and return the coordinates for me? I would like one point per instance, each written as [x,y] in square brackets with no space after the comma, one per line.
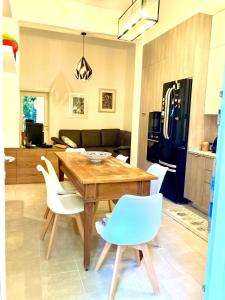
[175,114]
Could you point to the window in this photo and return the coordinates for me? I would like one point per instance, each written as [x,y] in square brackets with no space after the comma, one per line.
[34,106]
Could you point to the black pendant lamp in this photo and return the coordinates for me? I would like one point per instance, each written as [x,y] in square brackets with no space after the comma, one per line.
[83,70]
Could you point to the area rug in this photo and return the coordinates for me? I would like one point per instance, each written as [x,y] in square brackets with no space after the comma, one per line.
[189,219]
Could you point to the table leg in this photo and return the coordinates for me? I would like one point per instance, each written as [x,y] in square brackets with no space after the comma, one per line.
[61,174]
[89,209]
[140,254]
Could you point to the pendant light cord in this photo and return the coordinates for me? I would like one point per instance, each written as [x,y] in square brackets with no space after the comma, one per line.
[83,34]
[83,45]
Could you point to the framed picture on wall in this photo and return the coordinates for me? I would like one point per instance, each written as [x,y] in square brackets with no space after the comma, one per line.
[78,105]
[107,100]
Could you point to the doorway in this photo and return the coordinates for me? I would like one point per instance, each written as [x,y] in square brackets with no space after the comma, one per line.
[34,106]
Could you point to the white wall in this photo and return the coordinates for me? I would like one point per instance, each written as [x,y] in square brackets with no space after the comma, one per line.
[136,103]
[11,99]
[67,14]
[48,61]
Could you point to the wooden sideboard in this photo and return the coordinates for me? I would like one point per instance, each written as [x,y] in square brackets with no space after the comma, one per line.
[23,168]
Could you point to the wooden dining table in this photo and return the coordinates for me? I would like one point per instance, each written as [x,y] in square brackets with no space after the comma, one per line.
[107,180]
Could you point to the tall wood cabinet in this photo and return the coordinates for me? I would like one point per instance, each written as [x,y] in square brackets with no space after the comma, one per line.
[198,180]
[23,169]
[181,52]
[216,64]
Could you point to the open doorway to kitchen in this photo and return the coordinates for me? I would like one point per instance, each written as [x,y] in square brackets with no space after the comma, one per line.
[34,106]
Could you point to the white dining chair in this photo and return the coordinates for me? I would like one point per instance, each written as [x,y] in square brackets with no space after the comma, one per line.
[63,187]
[122,157]
[134,222]
[69,204]
[155,186]
[160,172]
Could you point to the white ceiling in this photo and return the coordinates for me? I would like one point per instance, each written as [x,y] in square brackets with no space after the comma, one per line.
[118,5]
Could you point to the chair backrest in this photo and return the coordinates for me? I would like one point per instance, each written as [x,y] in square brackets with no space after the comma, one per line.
[160,172]
[134,220]
[53,199]
[52,173]
[77,150]
[122,157]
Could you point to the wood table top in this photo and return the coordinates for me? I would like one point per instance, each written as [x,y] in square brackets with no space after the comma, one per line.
[109,170]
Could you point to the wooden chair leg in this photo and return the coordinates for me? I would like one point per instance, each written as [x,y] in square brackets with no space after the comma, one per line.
[119,253]
[80,225]
[150,268]
[46,213]
[102,256]
[110,207]
[137,256]
[47,224]
[52,236]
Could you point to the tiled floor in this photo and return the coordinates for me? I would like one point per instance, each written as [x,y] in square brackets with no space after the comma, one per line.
[179,262]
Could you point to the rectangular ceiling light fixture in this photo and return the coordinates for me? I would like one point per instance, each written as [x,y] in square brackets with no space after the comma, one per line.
[140,16]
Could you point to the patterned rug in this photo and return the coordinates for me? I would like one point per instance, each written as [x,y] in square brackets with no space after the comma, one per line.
[189,219]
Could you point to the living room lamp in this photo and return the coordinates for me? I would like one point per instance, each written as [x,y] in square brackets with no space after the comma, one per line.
[140,16]
[83,70]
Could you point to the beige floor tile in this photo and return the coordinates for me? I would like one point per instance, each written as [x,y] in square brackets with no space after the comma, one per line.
[184,288]
[62,284]
[56,266]
[179,261]
[10,192]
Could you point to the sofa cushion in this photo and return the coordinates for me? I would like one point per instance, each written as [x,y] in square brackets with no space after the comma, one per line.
[57,140]
[68,141]
[110,137]
[125,138]
[91,138]
[74,135]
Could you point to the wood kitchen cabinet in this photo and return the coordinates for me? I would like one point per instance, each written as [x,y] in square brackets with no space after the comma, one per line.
[10,167]
[215,79]
[23,169]
[216,64]
[198,180]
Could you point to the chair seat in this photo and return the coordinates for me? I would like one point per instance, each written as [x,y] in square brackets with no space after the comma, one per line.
[69,204]
[68,188]
[100,226]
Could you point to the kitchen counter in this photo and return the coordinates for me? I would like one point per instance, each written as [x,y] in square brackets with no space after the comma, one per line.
[203,153]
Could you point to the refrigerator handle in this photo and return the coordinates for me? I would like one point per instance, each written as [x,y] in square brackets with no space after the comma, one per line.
[185,129]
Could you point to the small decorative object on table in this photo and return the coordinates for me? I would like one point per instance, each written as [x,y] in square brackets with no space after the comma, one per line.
[97,156]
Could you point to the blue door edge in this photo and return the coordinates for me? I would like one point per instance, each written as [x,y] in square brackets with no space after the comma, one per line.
[215,269]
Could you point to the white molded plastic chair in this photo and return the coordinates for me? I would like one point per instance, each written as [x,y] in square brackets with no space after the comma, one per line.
[160,172]
[122,157]
[134,222]
[69,204]
[63,187]
[76,150]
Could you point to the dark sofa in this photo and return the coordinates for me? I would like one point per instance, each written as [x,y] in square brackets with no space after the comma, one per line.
[115,140]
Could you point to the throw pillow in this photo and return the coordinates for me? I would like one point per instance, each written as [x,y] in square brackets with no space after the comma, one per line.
[68,141]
